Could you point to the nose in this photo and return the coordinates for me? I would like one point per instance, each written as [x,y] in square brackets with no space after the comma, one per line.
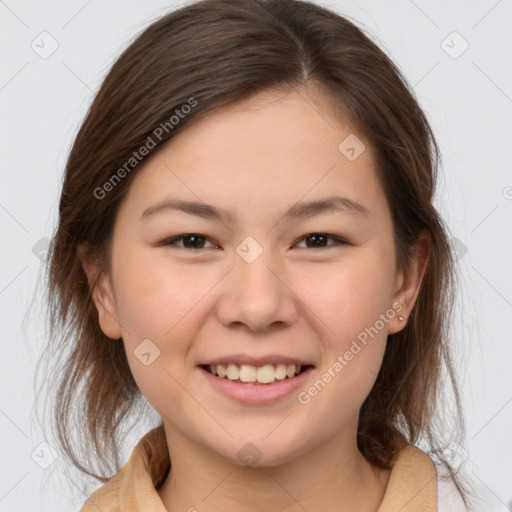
[257,295]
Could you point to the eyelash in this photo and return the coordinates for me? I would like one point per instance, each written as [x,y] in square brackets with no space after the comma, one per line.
[172,241]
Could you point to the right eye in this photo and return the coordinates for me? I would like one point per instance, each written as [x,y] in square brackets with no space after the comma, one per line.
[190,241]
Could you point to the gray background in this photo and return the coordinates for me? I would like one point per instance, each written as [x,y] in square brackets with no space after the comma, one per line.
[467,96]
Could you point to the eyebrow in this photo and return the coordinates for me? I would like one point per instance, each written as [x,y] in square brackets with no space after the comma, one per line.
[298,210]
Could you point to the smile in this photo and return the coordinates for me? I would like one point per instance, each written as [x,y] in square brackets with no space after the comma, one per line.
[265,374]
[256,384]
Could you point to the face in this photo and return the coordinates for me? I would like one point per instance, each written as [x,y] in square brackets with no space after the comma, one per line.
[254,283]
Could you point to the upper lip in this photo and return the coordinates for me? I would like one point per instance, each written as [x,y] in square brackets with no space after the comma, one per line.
[240,359]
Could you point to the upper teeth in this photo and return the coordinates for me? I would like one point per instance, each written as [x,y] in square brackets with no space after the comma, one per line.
[265,374]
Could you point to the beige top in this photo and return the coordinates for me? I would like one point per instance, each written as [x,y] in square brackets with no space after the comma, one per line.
[412,486]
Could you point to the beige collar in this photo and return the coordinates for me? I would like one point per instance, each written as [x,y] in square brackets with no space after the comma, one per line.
[412,486]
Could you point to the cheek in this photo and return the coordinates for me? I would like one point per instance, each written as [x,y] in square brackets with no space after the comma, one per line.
[158,308]
[349,304]
[155,298]
[166,304]
[349,297]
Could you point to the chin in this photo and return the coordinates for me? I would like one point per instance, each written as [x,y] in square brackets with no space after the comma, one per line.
[261,451]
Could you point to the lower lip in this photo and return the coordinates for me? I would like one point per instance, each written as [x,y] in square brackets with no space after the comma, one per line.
[254,393]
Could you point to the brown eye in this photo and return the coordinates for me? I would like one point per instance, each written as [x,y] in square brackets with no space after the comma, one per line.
[319,240]
[190,241]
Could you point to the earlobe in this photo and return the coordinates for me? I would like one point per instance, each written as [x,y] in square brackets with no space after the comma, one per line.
[102,295]
[104,300]
[409,283]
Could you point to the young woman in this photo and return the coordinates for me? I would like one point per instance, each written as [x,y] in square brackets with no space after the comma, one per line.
[247,240]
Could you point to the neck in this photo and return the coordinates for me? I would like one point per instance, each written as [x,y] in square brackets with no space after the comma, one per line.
[332,476]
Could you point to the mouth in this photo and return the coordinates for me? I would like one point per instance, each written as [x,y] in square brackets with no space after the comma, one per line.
[256,375]
[256,385]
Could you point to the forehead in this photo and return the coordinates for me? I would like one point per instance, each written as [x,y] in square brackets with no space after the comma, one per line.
[275,148]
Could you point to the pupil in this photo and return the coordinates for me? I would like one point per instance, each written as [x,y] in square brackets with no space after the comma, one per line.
[315,238]
[189,238]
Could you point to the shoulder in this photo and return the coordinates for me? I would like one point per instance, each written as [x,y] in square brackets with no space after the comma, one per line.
[420,484]
[106,497]
[444,492]
[140,476]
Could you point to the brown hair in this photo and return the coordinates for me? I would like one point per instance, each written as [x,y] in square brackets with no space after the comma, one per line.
[187,64]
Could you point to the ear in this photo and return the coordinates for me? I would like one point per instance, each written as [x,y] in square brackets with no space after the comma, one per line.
[408,283]
[102,296]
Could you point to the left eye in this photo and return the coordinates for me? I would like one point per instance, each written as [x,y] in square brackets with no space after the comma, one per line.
[317,240]
[196,241]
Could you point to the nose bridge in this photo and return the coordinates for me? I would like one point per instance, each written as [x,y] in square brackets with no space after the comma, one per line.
[255,292]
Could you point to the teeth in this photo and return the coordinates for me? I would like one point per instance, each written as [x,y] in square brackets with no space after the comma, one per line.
[233,372]
[248,373]
[281,371]
[265,374]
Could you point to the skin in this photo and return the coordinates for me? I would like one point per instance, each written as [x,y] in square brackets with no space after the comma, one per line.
[256,158]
